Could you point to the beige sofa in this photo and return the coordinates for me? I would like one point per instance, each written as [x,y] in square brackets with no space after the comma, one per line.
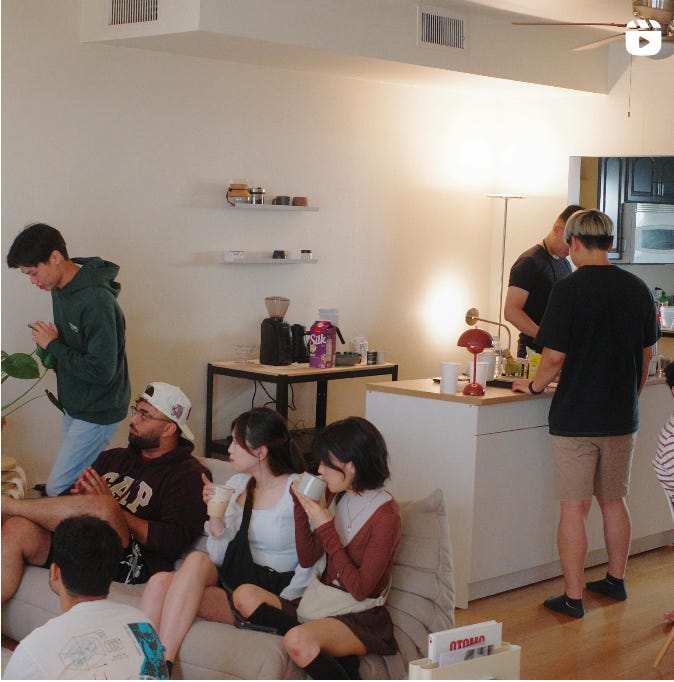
[421,601]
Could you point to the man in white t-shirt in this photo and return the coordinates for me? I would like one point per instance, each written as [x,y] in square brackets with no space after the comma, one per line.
[94,637]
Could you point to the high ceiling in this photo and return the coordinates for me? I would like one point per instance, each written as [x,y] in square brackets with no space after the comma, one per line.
[618,11]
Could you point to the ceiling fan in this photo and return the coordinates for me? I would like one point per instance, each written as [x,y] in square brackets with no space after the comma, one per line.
[645,12]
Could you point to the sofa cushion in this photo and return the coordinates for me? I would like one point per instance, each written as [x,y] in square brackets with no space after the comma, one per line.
[422,593]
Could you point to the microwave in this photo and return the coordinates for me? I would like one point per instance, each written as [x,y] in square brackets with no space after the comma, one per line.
[648,233]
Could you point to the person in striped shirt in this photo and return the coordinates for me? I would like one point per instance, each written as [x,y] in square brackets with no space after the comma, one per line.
[663,462]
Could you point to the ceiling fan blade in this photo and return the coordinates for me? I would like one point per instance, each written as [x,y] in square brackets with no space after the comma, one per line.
[598,43]
[567,23]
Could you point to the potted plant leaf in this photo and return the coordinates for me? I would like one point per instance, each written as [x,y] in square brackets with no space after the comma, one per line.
[25,366]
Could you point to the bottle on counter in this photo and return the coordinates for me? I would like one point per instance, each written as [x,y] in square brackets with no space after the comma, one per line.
[532,367]
[359,345]
[498,352]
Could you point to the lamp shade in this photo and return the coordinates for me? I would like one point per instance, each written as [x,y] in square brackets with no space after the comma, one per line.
[475,340]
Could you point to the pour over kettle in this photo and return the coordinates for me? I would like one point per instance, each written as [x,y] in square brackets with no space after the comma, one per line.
[299,345]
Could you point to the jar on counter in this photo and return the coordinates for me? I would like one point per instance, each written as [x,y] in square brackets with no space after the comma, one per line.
[306,254]
[257,195]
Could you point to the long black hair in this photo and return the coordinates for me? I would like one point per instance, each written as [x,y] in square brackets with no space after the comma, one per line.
[262,426]
[356,440]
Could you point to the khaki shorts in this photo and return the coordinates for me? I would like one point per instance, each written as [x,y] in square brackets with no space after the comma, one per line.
[598,466]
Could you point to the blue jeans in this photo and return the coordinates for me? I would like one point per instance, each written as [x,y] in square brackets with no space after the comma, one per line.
[81,443]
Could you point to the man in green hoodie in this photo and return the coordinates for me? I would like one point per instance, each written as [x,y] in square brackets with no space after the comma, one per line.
[87,340]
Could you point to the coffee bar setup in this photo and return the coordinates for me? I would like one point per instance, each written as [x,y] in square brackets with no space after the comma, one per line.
[289,354]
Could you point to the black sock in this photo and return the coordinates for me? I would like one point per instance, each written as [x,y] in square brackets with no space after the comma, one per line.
[273,618]
[564,604]
[326,667]
[609,586]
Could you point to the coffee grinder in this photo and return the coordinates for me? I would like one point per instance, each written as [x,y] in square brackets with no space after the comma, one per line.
[276,346]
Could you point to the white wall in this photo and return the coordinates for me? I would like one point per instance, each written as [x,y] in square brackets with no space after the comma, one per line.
[129,152]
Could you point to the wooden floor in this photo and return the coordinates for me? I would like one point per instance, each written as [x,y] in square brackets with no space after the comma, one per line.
[615,640]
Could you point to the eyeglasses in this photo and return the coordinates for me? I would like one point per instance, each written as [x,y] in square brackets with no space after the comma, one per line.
[145,416]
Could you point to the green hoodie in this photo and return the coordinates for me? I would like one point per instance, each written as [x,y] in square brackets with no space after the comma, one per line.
[91,372]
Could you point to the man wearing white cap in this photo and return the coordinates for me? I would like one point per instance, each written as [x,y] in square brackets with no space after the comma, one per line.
[150,492]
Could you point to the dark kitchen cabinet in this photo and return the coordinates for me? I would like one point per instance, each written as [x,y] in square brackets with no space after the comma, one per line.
[610,197]
[650,179]
[607,182]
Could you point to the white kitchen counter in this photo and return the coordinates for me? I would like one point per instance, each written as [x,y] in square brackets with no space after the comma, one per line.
[491,457]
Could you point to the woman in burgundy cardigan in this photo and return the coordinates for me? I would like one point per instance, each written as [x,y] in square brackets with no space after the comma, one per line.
[358,532]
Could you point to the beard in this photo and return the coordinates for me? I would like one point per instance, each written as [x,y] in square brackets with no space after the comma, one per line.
[149,442]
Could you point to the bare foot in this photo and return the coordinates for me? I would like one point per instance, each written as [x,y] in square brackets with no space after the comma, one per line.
[670,616]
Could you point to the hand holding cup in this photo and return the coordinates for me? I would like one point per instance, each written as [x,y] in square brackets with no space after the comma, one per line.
[216,504]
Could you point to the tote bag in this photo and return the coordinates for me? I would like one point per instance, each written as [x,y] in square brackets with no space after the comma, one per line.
[321,601]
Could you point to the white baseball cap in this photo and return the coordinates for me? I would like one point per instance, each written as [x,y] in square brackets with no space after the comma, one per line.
[171,402]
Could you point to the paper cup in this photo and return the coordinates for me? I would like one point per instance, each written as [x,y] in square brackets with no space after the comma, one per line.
[217,505]
[449,377]
[482,373]
[381,357]
[311,486]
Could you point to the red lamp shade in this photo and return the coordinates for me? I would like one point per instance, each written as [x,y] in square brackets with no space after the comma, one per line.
[475,340]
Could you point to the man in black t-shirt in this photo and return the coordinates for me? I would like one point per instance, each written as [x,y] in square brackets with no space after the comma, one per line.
[149,492]
[532,277]
[598,330]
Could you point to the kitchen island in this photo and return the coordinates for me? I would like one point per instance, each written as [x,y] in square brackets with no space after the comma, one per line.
[491,457]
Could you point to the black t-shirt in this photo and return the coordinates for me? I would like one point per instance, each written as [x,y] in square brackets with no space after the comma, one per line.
[536,271]
[602,318]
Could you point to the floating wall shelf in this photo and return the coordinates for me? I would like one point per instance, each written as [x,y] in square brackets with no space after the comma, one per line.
[272,207]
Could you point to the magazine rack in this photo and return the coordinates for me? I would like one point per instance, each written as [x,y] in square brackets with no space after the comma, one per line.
[503,664]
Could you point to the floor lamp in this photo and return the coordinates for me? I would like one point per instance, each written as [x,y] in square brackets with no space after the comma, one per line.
[506,198]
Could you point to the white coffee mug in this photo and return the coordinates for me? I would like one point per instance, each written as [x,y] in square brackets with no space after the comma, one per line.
[311,486]
[449,377]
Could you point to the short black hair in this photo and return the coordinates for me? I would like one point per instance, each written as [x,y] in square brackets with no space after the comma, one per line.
[356,440]
[87,551]
[569,211]
[264,426]
[34,245]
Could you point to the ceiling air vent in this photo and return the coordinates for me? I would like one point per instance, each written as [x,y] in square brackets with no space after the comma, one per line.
[437,28]
[132,11]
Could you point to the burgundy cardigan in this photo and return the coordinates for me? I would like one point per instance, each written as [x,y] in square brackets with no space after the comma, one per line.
[363,567]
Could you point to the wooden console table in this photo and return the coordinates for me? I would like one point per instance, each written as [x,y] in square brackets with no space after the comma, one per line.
[283,376]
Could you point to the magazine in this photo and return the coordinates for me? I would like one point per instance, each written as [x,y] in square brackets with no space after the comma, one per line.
[464,643]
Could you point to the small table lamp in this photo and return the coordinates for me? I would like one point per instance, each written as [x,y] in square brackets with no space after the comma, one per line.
[475,340]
